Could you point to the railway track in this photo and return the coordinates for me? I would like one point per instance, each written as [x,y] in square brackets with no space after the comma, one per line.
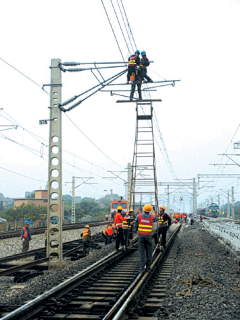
[17,233]
[107,289]
[21,272]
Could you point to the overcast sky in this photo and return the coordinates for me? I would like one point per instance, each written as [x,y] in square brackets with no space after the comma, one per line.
[196,42]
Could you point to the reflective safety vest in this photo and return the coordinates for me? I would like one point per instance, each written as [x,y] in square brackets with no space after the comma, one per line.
[132,60]
[145,225]
[25,235]
[125,223]
[85,232]
[161,221]
[46,233]
[109,231]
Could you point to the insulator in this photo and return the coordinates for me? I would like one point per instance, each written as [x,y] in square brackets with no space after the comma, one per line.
[70,64]
[74,105]
[68,101]
[74,69]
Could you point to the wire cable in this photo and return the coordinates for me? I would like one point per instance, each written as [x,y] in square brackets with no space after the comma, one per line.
[120,26]
[24,75]
[22,175]
[112,30]
[93,142]
[128,24]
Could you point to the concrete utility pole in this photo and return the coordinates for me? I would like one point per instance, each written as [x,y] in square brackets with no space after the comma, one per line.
[219,205]
[233,202]
[54,210]
[129,184]
[168,204]
[228,205]
[194,198]
[73,220]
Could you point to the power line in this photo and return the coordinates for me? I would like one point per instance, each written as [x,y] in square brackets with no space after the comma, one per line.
[112,30]
[24,75]
[21,175]
[125,26]
[93,143]
[128,24]
[120,27]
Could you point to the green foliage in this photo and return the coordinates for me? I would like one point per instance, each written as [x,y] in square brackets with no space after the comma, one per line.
[30,211]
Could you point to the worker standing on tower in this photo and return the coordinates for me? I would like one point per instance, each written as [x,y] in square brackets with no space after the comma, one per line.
[138,82]
[25,236]
[133,63]
[118,219]
[144,223]
[164,223]
[144,63]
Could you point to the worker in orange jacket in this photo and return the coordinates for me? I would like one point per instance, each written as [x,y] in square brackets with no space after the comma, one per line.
[25,236]
[118,220]
[108,233]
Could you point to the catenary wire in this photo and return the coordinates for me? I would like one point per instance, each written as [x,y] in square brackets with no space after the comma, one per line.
[112,29]
[120,26]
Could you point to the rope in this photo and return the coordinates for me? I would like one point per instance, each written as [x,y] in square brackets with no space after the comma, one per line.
[194,280]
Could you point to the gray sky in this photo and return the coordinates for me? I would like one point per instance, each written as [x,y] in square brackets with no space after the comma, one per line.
[196,42]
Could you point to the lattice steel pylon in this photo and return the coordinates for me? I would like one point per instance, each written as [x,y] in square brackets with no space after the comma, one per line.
[143,165]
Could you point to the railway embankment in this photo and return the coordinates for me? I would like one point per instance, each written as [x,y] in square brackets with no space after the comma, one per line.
[205,279]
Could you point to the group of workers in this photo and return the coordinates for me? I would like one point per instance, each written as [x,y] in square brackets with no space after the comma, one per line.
[137,72]
[123,232]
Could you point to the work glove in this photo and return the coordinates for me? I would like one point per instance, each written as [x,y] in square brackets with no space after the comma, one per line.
[23,239]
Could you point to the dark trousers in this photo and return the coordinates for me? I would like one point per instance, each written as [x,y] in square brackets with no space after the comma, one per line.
[145,246]
[144,75]
[86,247]
[126,236]
[45,242]
[131,69]
[161,231]
[108,239]
[191,222]
[133,87]
[119,238]
[25,245]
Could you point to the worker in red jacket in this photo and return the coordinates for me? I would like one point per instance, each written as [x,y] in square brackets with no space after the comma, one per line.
[133,63]
[118,220]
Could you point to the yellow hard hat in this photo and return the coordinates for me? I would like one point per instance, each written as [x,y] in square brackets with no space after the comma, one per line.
[164,208]
[131,210]
[87,226]
[147,208]
[119,208]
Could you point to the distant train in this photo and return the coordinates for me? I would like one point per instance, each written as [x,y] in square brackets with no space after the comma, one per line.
[211,211]
[115,204]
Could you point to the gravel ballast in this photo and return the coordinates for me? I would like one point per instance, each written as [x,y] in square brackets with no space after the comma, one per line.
[215,291]
[17,294]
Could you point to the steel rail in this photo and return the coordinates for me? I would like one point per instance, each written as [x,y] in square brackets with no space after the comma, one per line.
[36,305]
[136,284]
[28,265]
[17,233]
